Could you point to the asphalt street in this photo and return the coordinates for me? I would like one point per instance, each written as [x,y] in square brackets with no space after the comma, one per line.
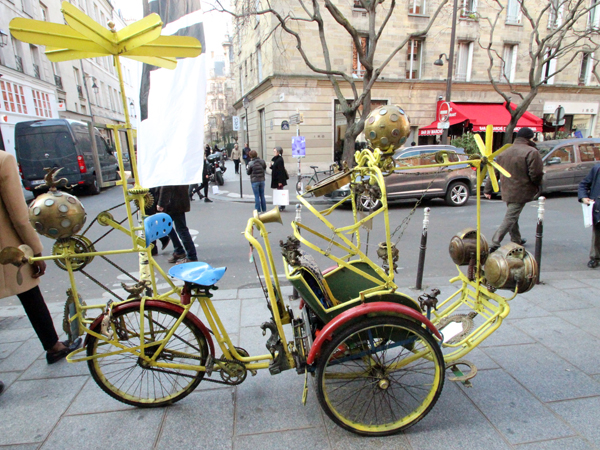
[217,231]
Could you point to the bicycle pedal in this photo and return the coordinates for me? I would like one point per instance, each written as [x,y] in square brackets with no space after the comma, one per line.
[210,365]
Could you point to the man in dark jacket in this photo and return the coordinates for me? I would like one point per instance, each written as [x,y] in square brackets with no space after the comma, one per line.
[174,200]
[588,193]
[524,163]
[246,154]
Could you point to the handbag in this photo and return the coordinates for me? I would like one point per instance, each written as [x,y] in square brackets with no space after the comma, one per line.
[281,197]
[287,177]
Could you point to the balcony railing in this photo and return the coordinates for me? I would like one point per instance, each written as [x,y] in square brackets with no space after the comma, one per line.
[19,63]
[58,82]
[80,91]
[36,71]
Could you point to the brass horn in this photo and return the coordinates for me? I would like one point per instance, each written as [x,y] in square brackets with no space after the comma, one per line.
[269,216]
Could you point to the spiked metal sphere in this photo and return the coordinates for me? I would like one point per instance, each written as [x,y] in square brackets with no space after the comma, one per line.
[387,128]
[57,215]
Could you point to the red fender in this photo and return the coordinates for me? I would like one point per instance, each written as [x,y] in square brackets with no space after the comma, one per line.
[361,310]
[170,306]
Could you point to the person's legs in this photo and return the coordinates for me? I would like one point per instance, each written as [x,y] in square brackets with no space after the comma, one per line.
[236,162]
[280,188]
[255,189]
[177,247]
[595,250]
[263,200]
[39,316]
[513,210]
[184,234]
[515,233]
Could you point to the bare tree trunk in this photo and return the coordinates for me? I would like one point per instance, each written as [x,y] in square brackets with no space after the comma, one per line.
[517,114]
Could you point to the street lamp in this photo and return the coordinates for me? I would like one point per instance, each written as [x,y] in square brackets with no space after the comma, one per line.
[132,109]
[95,87]
[450,61]
[246,104]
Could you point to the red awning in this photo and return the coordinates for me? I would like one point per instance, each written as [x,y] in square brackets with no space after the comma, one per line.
[479,115]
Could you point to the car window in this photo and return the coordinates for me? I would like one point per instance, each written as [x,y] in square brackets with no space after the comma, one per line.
[564,153]
[589,152]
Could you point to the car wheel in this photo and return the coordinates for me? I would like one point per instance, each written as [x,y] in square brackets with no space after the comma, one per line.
[366,203]
[458,194]
[93,188]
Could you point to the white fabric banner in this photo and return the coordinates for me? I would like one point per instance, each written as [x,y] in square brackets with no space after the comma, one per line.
[171,140]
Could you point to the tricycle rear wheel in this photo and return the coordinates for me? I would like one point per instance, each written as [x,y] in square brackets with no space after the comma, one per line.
[380,375]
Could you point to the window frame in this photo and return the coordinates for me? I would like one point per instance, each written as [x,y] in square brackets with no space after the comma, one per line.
[469,63]
[464,12]
[357,68]
[419,58]
[512,19]
[414,4]
[514,50]
[549,67]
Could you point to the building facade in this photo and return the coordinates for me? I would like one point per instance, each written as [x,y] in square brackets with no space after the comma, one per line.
[86,90]
[271,74]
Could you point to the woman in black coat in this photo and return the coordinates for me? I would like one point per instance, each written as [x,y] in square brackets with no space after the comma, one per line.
[279,175]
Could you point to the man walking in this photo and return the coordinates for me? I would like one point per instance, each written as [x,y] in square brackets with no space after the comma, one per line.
[524,163]
[174,200]
[246,154]
[589,193]
[235,156]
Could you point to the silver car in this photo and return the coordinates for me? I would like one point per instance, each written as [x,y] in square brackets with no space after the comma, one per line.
[454,184]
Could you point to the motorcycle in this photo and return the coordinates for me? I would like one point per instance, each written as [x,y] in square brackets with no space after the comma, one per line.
[217,168]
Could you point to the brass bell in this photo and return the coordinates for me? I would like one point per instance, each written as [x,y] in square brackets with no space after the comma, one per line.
[463,246]
[269,216]
[510,267]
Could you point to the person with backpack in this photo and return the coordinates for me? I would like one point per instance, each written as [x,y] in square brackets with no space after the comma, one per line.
[256,169]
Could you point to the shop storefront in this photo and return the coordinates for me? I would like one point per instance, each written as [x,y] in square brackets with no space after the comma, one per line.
[580,119]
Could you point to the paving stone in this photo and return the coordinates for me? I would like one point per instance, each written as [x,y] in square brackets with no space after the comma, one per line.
[594,282]
[252,340]
[210,415]
[229,313]
[41,369]
[267,403]
[482,361]
[341,439]
[567,283]
[586,320]
[92,399]
[545,374]
[582,415]
[517,414]
[566,340]
[305,439]
[18,323]
[20,447]
[7,348]
[506,334]
[521,308]
[131,430]
[556,300]
[31,409]
[454,424]
[250,293]
[225,294]
[23,356]
[9,378]
[572,443]
[254,312]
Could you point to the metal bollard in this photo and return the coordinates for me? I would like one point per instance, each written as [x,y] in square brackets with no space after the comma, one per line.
[539,234]
[423,249]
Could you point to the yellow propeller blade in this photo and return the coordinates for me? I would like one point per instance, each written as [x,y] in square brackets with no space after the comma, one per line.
[89,28]
[169,46]
[482,173]
[494,180]
[138,33]
[65,54]
[480,144]
[51,34]
[167,63]
[500,150]
[489,137]
[500,169]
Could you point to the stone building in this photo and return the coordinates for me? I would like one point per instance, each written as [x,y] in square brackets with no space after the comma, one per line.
[271,74]
[86,90]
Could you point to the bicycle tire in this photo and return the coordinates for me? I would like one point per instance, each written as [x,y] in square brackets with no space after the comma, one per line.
[124,377]
[359,389]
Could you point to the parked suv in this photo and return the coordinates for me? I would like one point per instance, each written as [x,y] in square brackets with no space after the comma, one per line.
[455,184]
[567,162]
[61,143]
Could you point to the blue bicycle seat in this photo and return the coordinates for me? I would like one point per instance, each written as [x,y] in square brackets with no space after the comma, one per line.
[157,226]
[197,272]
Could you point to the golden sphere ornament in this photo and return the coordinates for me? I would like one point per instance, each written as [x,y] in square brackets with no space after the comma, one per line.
[387,128]
[57,215]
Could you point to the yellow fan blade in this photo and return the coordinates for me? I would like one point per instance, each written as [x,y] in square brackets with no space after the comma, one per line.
[489,137]
[52,35]
[500,169]
[500,150]
[138,33]
[167,63]
[482,173]
[89,28]
[169,46]
[66,54]
[480,144]
[494,180]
